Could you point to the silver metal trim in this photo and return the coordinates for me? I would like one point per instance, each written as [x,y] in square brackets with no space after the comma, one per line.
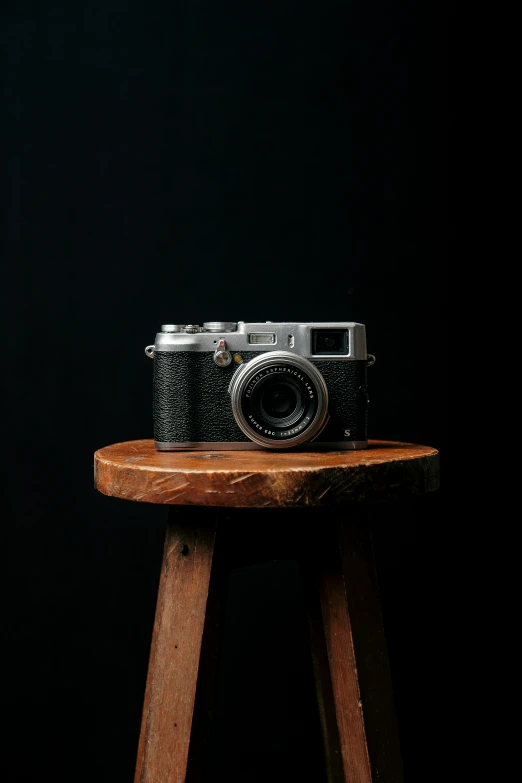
[237,341]
[205,446]
[352,445]
[149,351]
[243,376]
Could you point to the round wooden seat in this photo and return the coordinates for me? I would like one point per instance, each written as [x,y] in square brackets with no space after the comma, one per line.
[134,470]
[211,495]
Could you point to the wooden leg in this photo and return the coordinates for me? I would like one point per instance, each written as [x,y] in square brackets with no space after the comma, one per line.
[371,653]
[323,684]
[176,646]
[200,768]
[349,652]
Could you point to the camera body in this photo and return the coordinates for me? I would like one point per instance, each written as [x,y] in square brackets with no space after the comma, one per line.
[227,385]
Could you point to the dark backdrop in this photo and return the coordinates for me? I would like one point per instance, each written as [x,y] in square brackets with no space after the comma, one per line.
[181,162]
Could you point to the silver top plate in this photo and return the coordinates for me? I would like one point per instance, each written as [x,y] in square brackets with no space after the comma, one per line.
[293,337]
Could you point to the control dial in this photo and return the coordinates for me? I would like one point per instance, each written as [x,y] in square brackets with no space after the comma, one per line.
[171,328]
[222,355]
[220,326]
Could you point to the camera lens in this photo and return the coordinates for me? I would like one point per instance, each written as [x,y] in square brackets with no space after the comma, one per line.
[279,399]
[278,402]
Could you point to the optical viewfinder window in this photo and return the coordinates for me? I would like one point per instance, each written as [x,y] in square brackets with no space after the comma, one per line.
[330,342]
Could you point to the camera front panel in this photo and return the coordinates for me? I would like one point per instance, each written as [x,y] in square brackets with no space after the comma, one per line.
[190,399]
[191,403]
[348,401]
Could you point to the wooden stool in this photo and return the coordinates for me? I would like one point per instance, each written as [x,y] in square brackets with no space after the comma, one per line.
[324,527]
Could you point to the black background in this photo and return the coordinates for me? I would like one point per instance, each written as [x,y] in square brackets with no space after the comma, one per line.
[180,162]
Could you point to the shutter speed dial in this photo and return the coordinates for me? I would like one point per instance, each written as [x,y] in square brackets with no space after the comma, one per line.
[219,326]
[177,328]
[208,326]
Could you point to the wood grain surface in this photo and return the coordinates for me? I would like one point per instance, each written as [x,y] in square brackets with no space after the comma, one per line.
[349,652]
[386,470]
[355,546]
[175,649]
[344,680]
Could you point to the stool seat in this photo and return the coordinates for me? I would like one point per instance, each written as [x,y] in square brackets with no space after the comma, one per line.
[135,470]
[309,506]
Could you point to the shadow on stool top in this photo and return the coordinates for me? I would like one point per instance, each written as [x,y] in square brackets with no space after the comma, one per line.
[386,470]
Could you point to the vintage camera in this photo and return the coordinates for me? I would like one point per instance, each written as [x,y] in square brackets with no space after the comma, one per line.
[265,385]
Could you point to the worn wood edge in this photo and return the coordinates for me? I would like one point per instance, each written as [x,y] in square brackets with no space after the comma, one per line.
[379,479]
[378,453]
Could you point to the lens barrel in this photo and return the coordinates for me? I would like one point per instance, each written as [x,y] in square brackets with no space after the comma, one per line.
[279,400]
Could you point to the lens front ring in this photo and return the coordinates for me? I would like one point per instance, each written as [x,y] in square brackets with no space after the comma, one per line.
[248,373]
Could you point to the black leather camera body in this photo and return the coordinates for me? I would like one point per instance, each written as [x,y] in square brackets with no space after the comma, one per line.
[236,385]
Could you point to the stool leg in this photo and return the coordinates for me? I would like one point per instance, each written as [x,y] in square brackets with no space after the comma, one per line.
[176,646]
[349,653]
[200,763]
